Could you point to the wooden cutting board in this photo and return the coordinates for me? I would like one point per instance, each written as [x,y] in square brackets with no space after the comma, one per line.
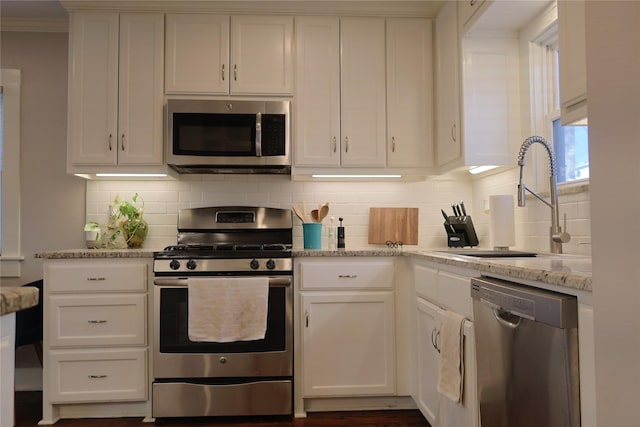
[395,224]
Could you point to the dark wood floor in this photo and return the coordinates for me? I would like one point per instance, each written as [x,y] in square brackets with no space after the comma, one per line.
[29,412]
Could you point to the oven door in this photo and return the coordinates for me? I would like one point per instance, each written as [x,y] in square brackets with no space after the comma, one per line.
[175,356]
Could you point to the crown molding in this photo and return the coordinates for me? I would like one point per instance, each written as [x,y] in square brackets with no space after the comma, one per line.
[35,25]
[414,8]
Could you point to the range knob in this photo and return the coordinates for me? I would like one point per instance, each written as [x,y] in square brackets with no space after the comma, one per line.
[174,264]
[191,264]
[271,264]
[254,264]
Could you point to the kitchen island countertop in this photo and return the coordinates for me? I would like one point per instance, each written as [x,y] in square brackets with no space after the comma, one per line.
[17,298]
[568,271]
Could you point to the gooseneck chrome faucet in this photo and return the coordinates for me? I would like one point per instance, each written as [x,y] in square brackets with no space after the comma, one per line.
[557,236]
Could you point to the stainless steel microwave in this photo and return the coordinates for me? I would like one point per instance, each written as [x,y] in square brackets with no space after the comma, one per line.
[225,136]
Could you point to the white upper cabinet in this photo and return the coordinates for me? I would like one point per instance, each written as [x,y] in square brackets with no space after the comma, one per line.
[115,90]
[340,92]
[317,92]
[447,144]
[197,49]
[214,54]
[469,11]
[573,62]
[362,78]
[409,93]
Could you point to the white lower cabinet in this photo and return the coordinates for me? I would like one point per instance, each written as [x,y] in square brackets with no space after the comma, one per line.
[438,290]
[348,327]
[95,338]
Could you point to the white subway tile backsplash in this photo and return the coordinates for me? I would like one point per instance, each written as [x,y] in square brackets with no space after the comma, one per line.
[350,200]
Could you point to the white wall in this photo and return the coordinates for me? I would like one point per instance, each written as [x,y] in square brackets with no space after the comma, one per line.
[52,203]
[613,87]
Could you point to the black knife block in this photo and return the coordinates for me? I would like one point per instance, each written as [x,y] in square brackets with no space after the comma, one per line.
[460,232]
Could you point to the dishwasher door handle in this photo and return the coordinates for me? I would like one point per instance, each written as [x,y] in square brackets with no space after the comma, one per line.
[509,320]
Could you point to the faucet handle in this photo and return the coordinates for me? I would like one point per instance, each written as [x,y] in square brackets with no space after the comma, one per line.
[562,236]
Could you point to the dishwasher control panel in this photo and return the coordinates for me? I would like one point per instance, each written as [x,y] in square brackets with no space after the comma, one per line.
[522,307]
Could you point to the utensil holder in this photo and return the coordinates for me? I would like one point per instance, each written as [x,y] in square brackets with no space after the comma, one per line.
[460,232]
[312,235]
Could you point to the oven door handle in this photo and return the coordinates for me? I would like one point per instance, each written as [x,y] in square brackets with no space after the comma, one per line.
[183,281]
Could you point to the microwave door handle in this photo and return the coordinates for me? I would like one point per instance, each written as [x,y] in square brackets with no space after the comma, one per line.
[259,135]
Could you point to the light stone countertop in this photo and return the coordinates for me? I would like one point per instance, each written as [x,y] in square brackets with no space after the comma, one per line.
[17,298]
[569,271]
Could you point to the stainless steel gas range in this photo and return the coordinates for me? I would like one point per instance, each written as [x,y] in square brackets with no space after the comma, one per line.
[224,377]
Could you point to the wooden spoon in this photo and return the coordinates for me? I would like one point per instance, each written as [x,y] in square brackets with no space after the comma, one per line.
[324,211]
[315,216]
[299,214]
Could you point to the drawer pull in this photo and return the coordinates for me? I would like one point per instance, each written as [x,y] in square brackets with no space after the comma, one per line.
[96,279]
[97,321]
[97,377]
[348,276]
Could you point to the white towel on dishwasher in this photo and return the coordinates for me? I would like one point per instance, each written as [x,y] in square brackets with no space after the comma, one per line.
[451,372]
[228,309]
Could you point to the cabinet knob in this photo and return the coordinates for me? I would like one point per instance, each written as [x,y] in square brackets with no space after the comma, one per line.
[235,72]
[222,72]
[335,144]
[122,142]
[109,142]
[346,144]
[393,144]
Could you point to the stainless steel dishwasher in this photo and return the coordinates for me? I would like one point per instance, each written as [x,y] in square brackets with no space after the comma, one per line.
[527,355]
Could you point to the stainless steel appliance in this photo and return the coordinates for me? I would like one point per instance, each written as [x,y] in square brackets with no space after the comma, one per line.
[527,355]
[225,136]
[224,378]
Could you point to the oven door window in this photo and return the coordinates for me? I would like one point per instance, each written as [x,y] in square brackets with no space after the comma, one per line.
[174,324]
[208,134]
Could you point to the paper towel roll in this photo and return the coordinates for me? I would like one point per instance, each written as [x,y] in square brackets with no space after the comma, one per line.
[502,225]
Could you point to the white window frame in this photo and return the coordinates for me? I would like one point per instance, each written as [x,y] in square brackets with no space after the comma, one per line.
[11,258]
[545,103]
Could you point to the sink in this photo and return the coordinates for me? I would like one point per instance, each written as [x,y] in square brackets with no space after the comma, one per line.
[489,253]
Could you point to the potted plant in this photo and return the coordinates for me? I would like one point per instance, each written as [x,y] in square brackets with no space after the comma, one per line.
[126,228]
[128,218]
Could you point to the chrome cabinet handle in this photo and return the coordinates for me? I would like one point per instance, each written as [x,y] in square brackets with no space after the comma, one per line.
[453,132]
[435,336]
[96,279]
[96,321]
[109,141]
[235,72]
[93,377]
[347,276]
[393,144]
[335,144]
[346,144]
[122,141]
[222,72]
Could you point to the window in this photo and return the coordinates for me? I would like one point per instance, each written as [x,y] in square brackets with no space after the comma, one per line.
[570,143]
[10,256]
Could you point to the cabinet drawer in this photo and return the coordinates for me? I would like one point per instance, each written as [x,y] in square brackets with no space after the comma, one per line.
[454,293]
[371,273]
[97,375]
[97,320]
[83,276]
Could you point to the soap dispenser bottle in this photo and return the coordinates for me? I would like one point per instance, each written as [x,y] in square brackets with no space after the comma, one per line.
[341,243]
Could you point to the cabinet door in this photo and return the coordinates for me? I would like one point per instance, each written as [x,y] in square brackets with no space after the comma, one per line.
[93,89]
[448,144]
[363,97]
[261,55]
[140,101]
[409,93]
[197,48]
[491,93]
[317,89]
[426,394]
[104,375]
[573,62]
[348,343]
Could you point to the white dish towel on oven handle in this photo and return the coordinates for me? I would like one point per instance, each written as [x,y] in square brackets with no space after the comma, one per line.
[227,309]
